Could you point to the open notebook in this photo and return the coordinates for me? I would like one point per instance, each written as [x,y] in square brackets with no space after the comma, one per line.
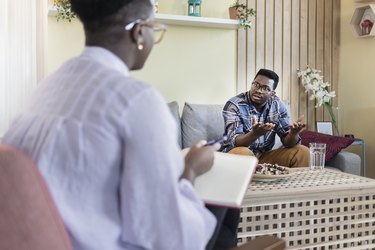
[227,181]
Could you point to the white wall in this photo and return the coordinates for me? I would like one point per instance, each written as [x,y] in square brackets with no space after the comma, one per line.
[193,64]
[65,40]
[356,84]
[190,64]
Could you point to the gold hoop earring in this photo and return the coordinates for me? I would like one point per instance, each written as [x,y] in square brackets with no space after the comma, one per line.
[140,46]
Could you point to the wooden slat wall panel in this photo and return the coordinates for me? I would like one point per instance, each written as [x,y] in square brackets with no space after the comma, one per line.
[269,35]
[290,34]
[286,75]
[260,34]
[294,87]
[278,43]
[319,63]
[327,45]
[251,48]
[303,59]
[311,58]
[335,47]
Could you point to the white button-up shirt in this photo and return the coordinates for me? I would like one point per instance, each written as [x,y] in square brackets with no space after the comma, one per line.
[107,147]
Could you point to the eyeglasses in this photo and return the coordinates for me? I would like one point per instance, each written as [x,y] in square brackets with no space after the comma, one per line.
[159,29]
[263,88]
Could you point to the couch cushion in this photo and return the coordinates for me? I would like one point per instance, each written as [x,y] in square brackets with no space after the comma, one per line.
[201,122]
[173,106]
[334,144]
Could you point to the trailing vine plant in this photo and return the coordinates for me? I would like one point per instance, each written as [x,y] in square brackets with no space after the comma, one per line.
[243,13]
[64,10]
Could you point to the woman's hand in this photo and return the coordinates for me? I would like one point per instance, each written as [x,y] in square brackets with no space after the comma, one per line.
[199,160]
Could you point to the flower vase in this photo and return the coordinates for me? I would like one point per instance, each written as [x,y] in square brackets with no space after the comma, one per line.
[233,13]
[334,114]
[337,129]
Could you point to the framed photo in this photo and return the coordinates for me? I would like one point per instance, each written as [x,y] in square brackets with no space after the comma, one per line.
[324,127]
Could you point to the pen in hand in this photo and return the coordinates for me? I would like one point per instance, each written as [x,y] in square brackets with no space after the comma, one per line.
[220,140]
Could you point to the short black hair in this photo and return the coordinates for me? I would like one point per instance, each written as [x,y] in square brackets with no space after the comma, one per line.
[95,14]
[270,74]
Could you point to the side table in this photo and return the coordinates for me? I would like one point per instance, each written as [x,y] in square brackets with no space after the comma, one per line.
[362,143]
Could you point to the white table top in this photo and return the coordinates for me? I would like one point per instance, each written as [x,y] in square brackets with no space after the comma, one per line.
[306,184]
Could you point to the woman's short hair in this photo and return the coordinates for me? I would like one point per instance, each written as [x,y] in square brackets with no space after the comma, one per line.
[97,10]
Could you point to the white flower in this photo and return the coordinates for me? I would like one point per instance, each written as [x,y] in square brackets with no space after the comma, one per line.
[313,82]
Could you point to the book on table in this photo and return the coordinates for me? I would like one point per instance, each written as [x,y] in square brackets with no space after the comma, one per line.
[226,183]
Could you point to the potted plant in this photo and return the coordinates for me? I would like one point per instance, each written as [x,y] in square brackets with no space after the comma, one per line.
[241,12]
[313,82]
[64,10]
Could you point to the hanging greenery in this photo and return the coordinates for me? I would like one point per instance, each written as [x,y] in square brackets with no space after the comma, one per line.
[64,10]
[243,14]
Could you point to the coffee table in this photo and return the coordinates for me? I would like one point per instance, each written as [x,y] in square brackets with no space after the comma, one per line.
[320,209]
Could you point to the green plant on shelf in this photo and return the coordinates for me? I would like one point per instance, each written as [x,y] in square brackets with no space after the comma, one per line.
[64,11]
[243,13]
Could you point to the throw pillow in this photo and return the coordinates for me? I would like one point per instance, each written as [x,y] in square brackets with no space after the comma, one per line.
[334,144]
[201,122]
[175,110]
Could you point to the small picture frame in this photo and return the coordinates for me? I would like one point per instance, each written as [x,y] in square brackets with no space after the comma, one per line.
[324,127]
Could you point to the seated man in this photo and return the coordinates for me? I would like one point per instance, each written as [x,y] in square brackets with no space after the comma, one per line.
[252,120]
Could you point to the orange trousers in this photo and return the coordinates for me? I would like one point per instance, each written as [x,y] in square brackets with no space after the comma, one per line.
[297,156]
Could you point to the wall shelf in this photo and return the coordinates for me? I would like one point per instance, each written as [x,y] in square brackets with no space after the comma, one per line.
[360,14]
[208,22]
[190,21]
[52,11]
[363,1]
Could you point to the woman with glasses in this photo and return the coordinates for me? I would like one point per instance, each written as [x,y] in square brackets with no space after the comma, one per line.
[107,144]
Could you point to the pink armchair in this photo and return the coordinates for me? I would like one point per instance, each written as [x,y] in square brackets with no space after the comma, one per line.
[28,217]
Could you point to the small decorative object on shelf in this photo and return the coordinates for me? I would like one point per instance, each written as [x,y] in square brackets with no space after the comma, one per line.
[241,12]
[362,21]
[64,11]
[366,27]
[194,7]
[313,82]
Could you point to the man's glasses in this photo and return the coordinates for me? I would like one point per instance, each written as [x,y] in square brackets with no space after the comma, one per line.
[159,29]
[260,87]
